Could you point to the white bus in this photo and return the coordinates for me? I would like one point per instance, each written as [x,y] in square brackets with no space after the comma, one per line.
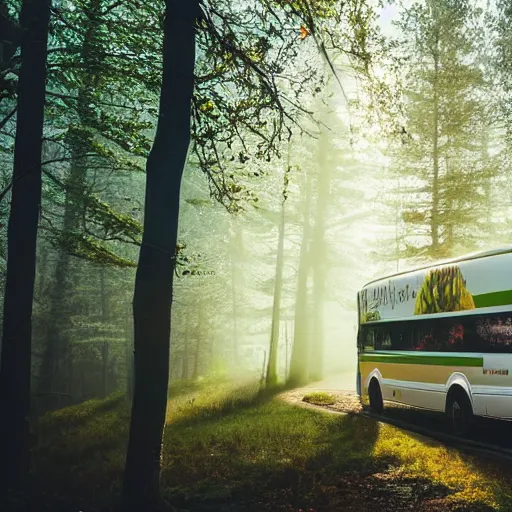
[440,338]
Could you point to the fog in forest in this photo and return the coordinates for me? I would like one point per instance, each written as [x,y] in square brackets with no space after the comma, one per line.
[320,145]
[360,189]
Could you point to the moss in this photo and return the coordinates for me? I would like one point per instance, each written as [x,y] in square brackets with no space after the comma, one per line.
[319,398]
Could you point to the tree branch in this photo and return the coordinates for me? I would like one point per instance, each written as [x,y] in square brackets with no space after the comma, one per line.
[5,120]
[75,98]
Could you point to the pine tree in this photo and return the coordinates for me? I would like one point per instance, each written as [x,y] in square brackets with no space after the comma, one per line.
[439,158]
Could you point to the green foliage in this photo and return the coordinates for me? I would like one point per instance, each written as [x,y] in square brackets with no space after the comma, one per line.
[442,154]
[198,202]
[228,446]
[319,398]
[89,248]
[112,224]
[500,56]
[253,77]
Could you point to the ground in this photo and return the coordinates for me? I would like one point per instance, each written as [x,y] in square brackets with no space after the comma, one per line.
[229,447]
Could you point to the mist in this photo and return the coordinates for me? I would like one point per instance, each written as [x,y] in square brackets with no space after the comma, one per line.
[355,209]
[321,149]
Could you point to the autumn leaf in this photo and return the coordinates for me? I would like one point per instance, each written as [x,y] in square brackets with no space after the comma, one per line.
[304,32]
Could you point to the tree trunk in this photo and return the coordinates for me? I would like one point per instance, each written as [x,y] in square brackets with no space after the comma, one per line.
[154,279]
[211,347]
[434,217]
[286,351]
[11,37]
[197,356]
[130,370]
[318,257]
[195,371]
[300,350]
[103,295]
[104,373]
[397,224]
[104,320]
[449,239]
[57,353]
[185,365]
[22,240]
[236,247]
[490,227]
[199,339]
[271,379]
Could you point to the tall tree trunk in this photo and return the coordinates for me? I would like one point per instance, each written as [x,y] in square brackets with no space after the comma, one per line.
[397,224]
[54,374]
[236,247]
[434,216]
[449,224]
[319,258]
[286,363]
[103,295]
[200,330]
[104,368]
[154,279]
[43,274]
[186,338]
[490,227]
[195,371]
[10,41]
[235,313]
[271,379]
[211,346]
[104,319]
[21,257]
[300,350]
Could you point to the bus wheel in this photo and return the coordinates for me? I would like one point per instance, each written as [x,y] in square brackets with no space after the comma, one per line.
[459,411]
[375,395]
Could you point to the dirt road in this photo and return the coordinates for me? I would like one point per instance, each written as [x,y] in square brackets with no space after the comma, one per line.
[428,424]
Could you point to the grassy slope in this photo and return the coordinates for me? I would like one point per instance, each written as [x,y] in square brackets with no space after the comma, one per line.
[226,449]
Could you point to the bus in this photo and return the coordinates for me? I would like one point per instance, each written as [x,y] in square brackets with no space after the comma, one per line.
[440,338]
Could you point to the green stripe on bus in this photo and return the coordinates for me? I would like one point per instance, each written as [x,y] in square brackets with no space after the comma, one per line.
[423,359]
[487,300]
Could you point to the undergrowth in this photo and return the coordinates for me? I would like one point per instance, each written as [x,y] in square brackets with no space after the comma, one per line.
[319,398]
[234,448]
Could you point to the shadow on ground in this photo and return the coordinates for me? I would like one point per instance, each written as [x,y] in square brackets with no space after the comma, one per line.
[243,451]
[485,430]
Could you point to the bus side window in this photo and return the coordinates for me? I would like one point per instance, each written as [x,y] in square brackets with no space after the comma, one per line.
[424,339]
[385,342]
[400,338]
[369,340]
[493,333]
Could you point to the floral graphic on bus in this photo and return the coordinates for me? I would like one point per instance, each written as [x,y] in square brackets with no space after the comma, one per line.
[496,331]
[443,290]
[370,316]
[456,335]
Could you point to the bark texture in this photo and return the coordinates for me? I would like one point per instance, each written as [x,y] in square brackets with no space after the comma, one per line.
[272,376]
[154,278]
[22,241]
[299,364]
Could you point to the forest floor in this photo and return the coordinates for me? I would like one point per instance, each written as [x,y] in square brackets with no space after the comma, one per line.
[229,448]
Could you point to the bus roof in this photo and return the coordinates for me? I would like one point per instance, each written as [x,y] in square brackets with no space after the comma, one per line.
[467,257]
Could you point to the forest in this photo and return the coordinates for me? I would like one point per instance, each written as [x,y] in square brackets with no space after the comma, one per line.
[191,195]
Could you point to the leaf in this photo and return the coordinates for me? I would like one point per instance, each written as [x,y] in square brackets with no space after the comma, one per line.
[304,32]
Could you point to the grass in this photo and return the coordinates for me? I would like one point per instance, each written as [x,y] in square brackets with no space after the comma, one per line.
[319,398]
[230,448]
